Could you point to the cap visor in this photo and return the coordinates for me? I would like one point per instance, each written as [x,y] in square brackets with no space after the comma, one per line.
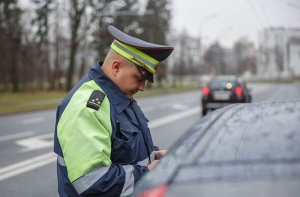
[146,74]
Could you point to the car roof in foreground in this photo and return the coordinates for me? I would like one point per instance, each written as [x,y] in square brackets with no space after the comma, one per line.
[250,148]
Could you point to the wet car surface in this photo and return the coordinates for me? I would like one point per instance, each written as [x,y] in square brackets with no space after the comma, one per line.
[239,150]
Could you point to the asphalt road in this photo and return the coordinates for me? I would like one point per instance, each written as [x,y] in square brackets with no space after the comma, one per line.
[27,164]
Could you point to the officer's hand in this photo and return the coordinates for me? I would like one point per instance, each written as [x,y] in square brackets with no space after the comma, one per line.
[151,165]
[159,154]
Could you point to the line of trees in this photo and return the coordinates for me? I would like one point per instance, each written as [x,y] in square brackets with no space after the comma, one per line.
[49,44]
[216,60]
[236,61]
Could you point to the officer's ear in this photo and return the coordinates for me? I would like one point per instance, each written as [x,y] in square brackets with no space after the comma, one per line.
[115,66]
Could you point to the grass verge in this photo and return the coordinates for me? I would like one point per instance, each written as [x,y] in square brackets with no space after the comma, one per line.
[26,101]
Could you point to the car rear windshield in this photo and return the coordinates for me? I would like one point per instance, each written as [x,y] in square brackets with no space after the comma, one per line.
[221,84]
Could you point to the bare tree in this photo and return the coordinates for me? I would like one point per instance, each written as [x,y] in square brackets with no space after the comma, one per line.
[4,60]
[76,11]
[156,27]
[279,58]
[43,10]
[11,30]
[60,46]
[38,50]
[214,58]
[244,60]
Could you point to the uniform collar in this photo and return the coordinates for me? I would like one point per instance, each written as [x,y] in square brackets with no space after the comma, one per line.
[114,94]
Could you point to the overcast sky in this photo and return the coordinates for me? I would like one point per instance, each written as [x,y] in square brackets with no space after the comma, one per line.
[229,20]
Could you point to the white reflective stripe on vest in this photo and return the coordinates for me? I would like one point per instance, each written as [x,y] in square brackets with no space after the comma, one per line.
[61,161]
[86,181]
[145,162]
[129,180]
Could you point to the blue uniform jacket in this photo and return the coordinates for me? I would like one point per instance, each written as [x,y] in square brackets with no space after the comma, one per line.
[93,159]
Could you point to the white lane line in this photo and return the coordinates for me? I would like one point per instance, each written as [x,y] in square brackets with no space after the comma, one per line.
[173,117]
[45,136]
[27,165]
[16,136]
[277,93]
[180,106]
[177,106]
[148,109]
[33,120]
[42,160]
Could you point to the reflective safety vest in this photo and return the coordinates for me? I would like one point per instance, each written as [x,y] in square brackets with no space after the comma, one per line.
[102,139]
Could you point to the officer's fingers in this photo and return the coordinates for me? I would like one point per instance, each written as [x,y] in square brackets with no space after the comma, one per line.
[160,153]
[163,152]
[150,166]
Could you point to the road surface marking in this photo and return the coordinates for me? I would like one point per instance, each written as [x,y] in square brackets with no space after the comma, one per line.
[275,95]
[180,106]
[17,135]
[33,120]
[27,165]
[148,109]
[172,118]
[36,142]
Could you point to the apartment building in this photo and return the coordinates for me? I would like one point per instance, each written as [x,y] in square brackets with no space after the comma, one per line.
[279,52]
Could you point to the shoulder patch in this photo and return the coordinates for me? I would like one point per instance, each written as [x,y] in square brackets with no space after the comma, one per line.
[95,99]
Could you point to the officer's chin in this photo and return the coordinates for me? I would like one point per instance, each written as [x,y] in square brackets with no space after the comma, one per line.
[129,96]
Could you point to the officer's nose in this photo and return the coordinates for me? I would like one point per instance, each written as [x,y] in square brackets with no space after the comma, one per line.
[142,85]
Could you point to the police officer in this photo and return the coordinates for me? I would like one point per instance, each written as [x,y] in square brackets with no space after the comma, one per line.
[102,139]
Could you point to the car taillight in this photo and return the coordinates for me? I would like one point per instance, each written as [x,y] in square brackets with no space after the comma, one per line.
[205,90]
[158,191]
[239,90]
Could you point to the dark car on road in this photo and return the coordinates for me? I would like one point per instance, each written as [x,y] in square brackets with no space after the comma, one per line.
[247,150]
[224,90]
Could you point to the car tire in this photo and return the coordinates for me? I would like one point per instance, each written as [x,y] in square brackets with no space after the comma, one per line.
[204,112]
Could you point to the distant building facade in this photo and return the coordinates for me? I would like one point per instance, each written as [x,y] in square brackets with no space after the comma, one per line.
[279,52]
[293,56]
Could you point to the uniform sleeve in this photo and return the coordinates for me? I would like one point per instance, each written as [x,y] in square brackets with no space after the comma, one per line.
[85,138]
